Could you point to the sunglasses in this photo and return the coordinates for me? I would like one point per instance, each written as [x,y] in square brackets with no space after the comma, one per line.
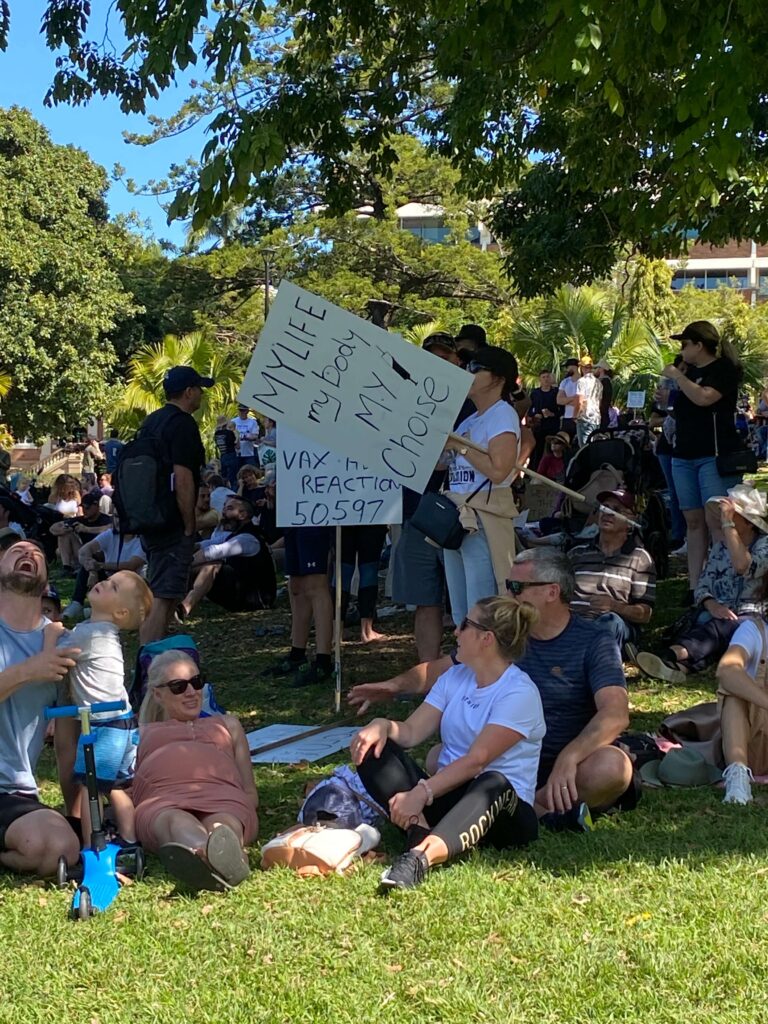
[471,622]
[516,587]
[474,367]
[179,686]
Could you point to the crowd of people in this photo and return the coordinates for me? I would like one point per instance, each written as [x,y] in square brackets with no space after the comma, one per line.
[530,703]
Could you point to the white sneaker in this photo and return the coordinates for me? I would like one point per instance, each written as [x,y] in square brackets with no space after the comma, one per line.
[73,612]
[681,552]
[737,778]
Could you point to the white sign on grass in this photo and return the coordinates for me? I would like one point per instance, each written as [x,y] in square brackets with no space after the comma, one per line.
[313,748]
[315,487]
[353,387]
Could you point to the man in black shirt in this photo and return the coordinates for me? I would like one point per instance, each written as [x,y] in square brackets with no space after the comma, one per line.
[544,414]
[604,374]
[169,554]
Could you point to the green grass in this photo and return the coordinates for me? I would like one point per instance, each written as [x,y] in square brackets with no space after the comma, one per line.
[657,916]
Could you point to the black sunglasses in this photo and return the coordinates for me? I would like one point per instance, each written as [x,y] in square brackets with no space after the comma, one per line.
[516,587]
[474,367]
[471,622]
[179,686]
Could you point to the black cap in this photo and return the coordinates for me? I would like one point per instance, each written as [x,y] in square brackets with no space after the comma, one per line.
[700,330]
[472,332]
[179,378]
[52,594]
[572,362]
[500,362]
[90,499]
[439,340]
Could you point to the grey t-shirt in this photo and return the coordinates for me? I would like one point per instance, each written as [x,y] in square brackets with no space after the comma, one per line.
[22,726]
[99,673]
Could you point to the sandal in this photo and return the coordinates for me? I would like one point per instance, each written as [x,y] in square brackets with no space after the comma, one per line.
[226,856]
[188,867]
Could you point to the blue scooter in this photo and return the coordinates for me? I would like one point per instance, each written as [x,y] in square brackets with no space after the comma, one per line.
[96,875]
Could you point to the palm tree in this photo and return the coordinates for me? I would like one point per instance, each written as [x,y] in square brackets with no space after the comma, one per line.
[146,369]
[218,230]
[419,333]
[588,323]
[6,439]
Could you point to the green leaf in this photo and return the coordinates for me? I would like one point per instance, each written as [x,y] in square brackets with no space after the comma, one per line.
[595,36]
[613,97]
[658,17]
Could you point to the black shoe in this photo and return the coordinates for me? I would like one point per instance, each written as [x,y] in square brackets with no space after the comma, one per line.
[284,667]
[308,675]
[578,819]
[409,870]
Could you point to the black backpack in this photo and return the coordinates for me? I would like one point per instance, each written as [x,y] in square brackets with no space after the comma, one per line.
[143,497]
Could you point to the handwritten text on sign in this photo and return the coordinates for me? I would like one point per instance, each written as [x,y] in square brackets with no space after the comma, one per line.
[317,488]
[353,387]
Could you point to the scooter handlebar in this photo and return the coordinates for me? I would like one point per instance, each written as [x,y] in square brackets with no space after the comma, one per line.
[73,711]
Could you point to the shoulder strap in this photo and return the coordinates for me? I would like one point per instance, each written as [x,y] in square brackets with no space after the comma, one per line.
[714,429]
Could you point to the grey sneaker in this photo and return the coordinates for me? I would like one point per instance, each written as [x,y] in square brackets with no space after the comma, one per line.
[409,870]
[659,668]
[737,778]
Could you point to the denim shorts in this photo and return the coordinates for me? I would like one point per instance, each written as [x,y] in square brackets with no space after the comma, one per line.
[114,750]
[697,480]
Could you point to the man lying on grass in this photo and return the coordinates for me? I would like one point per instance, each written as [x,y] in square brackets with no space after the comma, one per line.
[576,667]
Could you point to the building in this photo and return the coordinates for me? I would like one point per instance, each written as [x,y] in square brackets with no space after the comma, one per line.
[740,265]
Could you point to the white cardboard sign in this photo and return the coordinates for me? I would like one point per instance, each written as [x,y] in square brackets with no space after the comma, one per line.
[313,748]
[352,387]
[315,487]
[635,399]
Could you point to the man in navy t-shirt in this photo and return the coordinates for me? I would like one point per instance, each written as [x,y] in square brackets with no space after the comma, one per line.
[576,667]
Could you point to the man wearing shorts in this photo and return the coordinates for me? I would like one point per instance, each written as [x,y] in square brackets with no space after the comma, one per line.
[307,551]
[169,554]
[32,836]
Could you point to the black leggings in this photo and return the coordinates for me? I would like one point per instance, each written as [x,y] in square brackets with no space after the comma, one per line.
[484,810]
[361,546]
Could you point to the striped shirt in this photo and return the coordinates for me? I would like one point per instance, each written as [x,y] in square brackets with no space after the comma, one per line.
[628,576]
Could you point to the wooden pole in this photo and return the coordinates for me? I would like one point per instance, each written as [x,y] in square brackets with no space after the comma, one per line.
[338,624]
[464,442]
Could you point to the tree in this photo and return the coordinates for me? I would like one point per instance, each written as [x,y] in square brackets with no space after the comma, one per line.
[601,127]
[144,387]
[60,294]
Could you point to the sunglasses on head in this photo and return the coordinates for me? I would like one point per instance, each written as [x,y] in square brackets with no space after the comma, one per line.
[179,686]
[516,587]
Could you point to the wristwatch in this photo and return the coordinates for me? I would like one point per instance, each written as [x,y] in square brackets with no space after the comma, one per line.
[462,451]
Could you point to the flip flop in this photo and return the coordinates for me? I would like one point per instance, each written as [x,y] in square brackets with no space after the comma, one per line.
[189,868]
[225,855]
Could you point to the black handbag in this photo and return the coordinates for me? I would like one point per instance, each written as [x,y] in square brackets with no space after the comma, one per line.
[737,463]
[438,518]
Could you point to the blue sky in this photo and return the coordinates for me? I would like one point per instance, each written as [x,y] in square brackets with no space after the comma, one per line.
[26,71]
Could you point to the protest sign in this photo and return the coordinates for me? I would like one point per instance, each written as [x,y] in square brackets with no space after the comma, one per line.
[313,748]
[635,399]
[356,389]
[315,487]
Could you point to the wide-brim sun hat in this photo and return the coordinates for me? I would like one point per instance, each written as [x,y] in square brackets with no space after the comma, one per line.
[750,504]
[680,767]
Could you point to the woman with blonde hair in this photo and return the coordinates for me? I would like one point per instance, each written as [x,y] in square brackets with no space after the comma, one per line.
[491,723]
[194,792]
[65,498]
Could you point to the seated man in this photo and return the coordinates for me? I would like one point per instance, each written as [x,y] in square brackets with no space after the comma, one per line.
[615,576]
[233,569]
[577,669]
[91,523]
[32,836]
[106,554]
[729,588]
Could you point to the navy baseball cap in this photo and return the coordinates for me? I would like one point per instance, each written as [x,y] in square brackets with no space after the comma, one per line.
[52,594]
[179,378]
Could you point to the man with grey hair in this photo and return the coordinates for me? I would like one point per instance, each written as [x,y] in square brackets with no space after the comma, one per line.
[576,666]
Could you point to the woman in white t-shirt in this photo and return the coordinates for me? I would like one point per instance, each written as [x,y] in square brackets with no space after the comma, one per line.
[482,483]
[742,678]
[491,724]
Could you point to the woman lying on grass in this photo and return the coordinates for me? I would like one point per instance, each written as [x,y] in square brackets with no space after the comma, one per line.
[194,791]
[491,725]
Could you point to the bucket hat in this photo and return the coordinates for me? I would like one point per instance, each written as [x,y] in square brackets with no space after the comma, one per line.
[681,767]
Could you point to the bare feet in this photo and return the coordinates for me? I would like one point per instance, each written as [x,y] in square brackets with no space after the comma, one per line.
[368,636]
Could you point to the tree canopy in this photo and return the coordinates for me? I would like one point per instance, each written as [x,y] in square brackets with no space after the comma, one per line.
[596,127]
[60,294]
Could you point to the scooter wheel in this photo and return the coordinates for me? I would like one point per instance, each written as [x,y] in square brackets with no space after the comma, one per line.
[62,873]
[84,908]
[140,863]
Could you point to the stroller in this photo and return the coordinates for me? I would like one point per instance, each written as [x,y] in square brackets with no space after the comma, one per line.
[35,520]
[614,458]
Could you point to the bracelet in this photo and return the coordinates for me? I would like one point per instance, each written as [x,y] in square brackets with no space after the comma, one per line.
[428,789]
[728,525]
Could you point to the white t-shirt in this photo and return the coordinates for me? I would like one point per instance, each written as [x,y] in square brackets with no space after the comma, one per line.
[748,636]
[591,390]
[481,427]
[109,542]
[570,387]
[100,671]
[513,701]
[248,431]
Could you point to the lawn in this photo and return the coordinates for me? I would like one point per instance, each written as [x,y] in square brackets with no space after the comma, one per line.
[659,915]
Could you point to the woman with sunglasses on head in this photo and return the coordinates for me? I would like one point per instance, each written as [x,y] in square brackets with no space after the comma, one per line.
[705,428]
[480,484]
[195,796]
[491,724]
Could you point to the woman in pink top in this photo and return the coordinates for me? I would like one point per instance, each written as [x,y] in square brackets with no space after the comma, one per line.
[194,792]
